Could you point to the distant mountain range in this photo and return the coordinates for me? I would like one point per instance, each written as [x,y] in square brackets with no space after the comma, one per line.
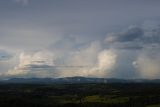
[74,80]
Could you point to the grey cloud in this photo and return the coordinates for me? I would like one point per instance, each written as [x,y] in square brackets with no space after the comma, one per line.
[124,67]
[147,63]
[35,66]
[38,62]
[127,45]
[4,55]
[135,37]
[131,34]
[152,32]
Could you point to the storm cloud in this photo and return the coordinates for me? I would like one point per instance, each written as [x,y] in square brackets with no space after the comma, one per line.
[147,34]
[92,38]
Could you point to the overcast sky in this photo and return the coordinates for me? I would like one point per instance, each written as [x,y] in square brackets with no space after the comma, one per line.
[91,38]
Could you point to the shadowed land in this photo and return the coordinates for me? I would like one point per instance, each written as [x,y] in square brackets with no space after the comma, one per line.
[81,95]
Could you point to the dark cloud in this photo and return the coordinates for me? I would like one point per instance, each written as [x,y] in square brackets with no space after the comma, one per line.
[127,45]
[131,34]
[135,38]
[35,66]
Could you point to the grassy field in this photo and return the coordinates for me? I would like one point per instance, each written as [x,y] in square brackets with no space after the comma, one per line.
[80,95]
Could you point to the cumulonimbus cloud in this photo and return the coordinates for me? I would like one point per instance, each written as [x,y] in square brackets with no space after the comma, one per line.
[105,64]
[91,61]
[96,59]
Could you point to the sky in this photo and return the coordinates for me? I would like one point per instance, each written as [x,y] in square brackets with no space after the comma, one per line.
[90,38]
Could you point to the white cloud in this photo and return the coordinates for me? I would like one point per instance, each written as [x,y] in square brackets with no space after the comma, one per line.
[105,64]
[107,59]
[29,62]
[90,61]
[82,60]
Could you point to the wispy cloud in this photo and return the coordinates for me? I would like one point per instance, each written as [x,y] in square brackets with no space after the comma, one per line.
[23,2]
